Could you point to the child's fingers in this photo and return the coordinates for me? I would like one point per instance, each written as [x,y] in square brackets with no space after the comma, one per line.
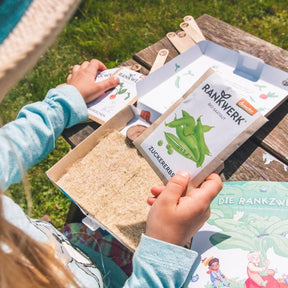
[94,63]
[156,190]
[151,200]
[99,88]
[75,68]
[207,191]
[84,65]
[175,187]
[107,84]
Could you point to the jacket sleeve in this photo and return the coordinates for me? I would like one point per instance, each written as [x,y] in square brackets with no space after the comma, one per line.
[160,264]
[31,137]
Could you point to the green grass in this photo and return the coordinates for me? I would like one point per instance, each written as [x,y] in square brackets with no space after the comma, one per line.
[113,31]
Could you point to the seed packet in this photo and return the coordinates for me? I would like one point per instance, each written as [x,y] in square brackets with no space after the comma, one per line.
[200,131]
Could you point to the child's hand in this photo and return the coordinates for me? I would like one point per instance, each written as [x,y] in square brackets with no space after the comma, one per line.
[83,78]
[175,219]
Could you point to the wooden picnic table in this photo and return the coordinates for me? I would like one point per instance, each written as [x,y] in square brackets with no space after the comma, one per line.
[264,157]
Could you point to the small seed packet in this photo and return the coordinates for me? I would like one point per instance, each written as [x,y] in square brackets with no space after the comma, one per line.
[200,131]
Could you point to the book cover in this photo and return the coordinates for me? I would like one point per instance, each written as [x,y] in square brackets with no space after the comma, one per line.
[244,243]
[200,131]
[110,103]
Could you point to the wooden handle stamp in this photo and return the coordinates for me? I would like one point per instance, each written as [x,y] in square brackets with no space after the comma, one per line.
[180,40]
[160,60]
[191,31]
[192,23]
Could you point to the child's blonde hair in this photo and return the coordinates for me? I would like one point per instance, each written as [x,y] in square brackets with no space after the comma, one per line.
[27,263]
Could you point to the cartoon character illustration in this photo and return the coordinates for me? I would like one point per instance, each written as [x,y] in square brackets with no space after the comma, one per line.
[254,269]
[259,276]
[216,275]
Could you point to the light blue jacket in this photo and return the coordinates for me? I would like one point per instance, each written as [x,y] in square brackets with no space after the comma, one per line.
[26,141]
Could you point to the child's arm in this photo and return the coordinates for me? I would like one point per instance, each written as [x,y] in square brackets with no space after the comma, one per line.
[28,139]
[172,220]
[158,264]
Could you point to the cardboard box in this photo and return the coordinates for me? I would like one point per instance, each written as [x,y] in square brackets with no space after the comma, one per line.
[264,86]
[119,205]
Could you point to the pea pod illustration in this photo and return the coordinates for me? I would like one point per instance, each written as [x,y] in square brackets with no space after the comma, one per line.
[207,128]
[187,121]
[189,127]
[189,140]
[181,121]
[203,149]
[192,143]
[179,146]
[180,132]
[186,114]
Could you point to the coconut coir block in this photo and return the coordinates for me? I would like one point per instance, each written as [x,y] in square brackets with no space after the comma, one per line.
[112,183]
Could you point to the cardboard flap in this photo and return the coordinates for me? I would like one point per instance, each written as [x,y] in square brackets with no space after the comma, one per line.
[248,66]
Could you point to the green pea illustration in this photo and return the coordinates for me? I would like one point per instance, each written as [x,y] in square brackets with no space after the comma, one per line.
[189,140]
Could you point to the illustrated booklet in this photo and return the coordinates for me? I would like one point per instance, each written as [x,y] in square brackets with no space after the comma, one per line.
[244,243]
[200,131]
[112,101]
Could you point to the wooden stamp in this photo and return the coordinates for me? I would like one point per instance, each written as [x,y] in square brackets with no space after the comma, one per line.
[160,60]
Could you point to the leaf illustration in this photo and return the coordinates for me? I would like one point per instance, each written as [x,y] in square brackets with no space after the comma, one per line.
[122,91]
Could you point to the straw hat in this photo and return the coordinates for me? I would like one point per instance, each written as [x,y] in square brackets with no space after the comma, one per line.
[27,29]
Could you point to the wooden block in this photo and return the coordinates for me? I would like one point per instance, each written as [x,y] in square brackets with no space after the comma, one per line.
[134,65]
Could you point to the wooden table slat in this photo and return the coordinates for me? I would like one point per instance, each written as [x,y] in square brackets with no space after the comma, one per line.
[273,135]
[147,56]
[79,132]
[252,163]
[231,37]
